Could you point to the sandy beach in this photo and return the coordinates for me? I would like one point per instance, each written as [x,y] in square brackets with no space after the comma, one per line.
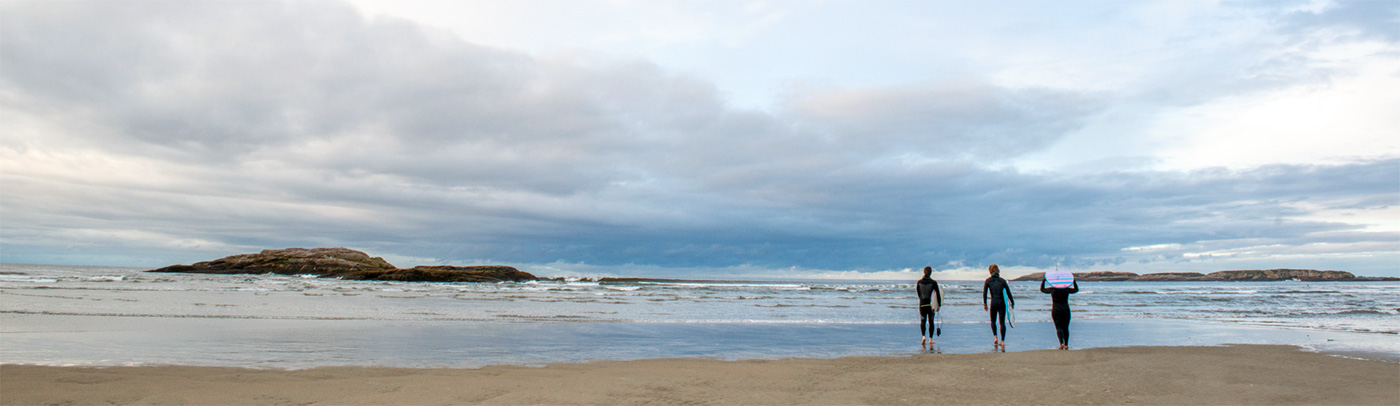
[1139,375]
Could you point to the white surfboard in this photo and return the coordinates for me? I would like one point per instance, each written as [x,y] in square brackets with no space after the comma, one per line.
[1010,315]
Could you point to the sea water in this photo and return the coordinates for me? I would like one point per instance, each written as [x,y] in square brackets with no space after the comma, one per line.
[69,315]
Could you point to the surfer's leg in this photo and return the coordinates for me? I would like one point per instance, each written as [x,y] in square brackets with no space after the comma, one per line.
[932,326]
[993,315]
[1001,321]
[1066,339]
[998,314]
[1061,318]
[924,321]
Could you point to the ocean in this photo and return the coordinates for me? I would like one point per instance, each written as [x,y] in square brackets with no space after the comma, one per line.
[74,315]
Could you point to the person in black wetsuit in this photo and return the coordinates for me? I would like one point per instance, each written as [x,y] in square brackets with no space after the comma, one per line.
[1059,309]
[928,291]
[1001,295]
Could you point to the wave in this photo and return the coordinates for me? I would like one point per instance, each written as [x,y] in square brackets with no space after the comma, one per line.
[1118,304]
[117,278]
[27,278]
[1354,312]
[496,318]
[183,316]
[43,296]
[712,285]
[1210,292]
[783,321]
[554,317]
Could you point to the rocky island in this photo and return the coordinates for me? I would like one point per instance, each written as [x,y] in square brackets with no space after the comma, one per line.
[346,263]
[1308,275]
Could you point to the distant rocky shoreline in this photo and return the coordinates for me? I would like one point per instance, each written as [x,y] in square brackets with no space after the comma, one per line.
[1307,275]
[348,264]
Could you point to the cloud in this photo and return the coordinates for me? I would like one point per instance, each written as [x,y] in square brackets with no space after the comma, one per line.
[171,132]
[947,120]
[1364,18]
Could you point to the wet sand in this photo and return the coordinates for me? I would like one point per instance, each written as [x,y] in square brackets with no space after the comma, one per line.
[1252,374]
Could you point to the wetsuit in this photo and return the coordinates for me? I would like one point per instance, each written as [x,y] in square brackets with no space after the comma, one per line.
[928,292]
[1059,308]
[996,285]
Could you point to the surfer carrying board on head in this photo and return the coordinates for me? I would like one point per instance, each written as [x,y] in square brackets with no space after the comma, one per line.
[930,300]
[1001,296]
[1062,284]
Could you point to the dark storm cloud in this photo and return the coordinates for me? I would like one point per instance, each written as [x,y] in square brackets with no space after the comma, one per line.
[938,215]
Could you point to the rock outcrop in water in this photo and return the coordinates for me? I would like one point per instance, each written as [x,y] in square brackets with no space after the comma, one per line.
[1253,276]
[1280,275]
[1171,277]
[443,273]
[347,264]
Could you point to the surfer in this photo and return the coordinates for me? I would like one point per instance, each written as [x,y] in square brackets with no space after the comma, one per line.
[1059,309]
[996,286]
[930,300]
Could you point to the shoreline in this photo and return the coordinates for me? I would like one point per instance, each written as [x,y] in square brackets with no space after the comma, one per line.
[1236,374]
[93,341]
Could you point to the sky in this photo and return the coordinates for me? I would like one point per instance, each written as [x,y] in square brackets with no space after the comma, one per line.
[707,139]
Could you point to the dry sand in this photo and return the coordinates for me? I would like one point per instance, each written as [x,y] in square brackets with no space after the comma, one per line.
[1138,375]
